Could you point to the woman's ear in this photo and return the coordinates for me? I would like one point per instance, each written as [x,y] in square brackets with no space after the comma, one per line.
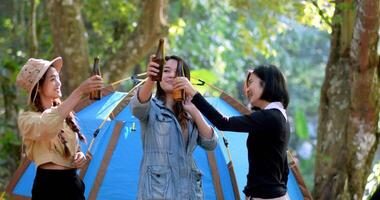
[262,83]
[245,88]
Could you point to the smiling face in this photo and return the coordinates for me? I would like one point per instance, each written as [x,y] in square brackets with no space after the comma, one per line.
[254,89]
[168,75]
[51,87]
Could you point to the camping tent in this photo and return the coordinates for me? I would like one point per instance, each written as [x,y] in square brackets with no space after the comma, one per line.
[113,171]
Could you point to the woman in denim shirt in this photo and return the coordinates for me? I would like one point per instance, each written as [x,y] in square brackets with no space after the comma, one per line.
[170,132]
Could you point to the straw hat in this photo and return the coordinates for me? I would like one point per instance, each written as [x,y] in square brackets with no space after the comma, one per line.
[32,72]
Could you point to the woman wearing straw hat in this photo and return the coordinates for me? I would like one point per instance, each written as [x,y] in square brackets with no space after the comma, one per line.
[268,129]
[49,130]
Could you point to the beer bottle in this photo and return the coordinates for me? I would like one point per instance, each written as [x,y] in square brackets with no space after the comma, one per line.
[179,95]
[97,94]
[159,59]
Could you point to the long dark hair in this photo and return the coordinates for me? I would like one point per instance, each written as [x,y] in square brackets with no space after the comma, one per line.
[273,83]
[160,94]
[70,119]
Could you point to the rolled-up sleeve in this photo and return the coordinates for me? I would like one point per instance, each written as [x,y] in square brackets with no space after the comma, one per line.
[208,143]
[139,109]
[40,126]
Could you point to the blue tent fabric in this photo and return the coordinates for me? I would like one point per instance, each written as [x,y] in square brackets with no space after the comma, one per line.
[24,185]
[293,189]
[121,176]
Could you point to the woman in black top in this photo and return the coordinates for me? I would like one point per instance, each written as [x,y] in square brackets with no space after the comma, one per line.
[268,129]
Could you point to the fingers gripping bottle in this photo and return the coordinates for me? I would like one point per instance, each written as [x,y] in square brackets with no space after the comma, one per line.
[179,95]
[159,59]
[97,94]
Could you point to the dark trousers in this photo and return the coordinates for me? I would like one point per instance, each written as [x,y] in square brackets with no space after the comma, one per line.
[57,184]
[376,195]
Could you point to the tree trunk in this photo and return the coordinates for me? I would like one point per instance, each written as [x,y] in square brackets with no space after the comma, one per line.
[69,37]
[32,33]
[151,26]
[70,41]
[349,107]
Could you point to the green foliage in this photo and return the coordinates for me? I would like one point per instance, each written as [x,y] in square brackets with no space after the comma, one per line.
[9,147]
[317,13]
[108,23]
[302,54]
[307,170]
[12,55]
[252,39]
[301,124]
[345,6]
[220,40]
[206,76]
[9,141]
[229,37]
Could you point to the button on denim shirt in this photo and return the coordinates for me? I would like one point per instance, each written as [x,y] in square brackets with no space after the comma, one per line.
[167,169]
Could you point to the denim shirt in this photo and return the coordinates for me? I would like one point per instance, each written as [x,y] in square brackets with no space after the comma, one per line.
[167,169]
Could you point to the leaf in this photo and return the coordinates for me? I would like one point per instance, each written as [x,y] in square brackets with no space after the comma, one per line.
[204,75]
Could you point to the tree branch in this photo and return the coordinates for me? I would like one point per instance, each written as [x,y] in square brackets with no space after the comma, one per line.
[32,33]
[151,26]
[321,13]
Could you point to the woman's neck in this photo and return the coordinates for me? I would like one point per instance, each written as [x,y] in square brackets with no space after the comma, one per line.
[262,104]
[46,102]
[169,102]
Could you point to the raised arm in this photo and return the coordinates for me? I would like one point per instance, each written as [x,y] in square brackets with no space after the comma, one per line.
[46,125]
[140,102]
[207,138]
[204,129]
[91,84]
[244,123]
[145,91]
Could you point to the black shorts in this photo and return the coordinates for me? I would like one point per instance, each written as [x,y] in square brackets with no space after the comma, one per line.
[57,184]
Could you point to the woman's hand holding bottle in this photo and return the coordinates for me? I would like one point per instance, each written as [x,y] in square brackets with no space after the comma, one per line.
[184,83]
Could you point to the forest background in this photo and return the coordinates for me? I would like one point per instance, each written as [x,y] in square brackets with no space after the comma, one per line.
[328,51]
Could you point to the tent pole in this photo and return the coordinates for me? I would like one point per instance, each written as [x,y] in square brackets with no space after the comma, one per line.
[127,79]
[83,171]
[24,164]
[231,169]
[106,160]
[215,175]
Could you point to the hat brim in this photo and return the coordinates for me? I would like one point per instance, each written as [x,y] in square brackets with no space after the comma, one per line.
[57,63]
